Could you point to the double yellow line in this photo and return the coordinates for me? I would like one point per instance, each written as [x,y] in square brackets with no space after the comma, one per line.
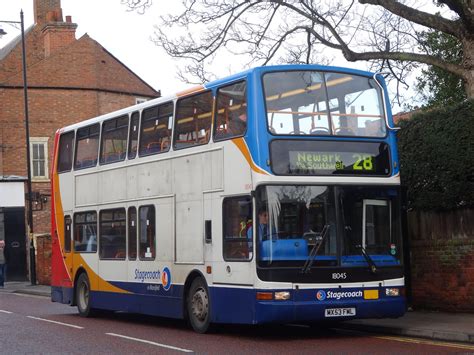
[426,342]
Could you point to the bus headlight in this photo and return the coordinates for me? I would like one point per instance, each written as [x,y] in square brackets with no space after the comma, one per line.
[392,292]
[282,296]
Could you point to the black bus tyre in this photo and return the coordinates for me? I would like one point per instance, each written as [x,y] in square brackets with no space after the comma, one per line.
[198,306]
[83,296]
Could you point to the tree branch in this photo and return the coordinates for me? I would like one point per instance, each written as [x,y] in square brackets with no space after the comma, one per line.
[422,18]
[406,56]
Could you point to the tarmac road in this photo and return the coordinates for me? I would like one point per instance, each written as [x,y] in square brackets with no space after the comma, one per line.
[32,324]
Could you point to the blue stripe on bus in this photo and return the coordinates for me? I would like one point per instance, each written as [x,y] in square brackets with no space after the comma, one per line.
[303,307]
[239,305]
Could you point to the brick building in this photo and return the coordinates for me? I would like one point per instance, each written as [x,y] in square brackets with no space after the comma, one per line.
[69,80]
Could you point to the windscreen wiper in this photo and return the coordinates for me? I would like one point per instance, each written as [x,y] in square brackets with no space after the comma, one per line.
[370,261]
[314,251]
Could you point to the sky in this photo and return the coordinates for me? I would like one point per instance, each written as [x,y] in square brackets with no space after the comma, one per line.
[127,35]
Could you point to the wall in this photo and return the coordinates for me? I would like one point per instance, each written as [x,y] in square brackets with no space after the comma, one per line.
[43,259]
[49,110]
[442,259]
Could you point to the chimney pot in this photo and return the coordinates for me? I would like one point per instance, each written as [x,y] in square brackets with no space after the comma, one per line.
[68,19]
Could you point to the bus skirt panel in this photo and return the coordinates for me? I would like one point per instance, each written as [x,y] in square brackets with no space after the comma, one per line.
[238,305]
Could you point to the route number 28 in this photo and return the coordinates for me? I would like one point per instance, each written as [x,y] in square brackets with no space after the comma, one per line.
[363,162]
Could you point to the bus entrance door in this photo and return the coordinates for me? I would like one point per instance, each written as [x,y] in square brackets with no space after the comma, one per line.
[237,251]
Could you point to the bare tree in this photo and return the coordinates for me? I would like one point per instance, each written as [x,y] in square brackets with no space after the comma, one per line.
[384,32]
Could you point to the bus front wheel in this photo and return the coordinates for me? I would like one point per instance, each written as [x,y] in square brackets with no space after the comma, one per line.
[83,296]
[198,306]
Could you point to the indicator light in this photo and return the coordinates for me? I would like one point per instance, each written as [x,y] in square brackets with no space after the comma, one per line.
[392,292]
[264,296]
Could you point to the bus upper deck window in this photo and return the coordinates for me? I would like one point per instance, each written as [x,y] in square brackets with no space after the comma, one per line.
[113,145]
[323,103]
[87,146]
[133,136]
[360,106]
[193,120]
[66,149]
[155,131]
[231,111]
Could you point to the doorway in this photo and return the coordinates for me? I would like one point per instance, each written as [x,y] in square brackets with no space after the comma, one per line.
[12,223]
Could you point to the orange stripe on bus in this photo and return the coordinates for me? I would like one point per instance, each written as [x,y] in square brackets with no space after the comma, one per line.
[190,91]
[240,143]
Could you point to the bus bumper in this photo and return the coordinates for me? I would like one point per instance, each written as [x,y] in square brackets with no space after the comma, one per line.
[242,306]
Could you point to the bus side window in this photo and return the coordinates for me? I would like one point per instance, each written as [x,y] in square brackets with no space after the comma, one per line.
[147,232]
[231,111]
[132,233]
[66,146]
[113,145]
[67,234]
[85,232]
[133,136]
[87,146]
[112,240]
[237,231]
[193,120]
[155,131]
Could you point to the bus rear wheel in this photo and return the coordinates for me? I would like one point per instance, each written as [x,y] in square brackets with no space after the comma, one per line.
[198,307]
[83,296]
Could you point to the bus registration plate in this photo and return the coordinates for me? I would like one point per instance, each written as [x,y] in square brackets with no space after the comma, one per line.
[340,312]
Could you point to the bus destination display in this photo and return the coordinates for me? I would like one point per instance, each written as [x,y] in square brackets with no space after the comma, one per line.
[331,161]
[305,157]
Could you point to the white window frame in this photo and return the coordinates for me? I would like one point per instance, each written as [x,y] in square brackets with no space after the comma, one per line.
[140,100]
[43,141]
[365,203]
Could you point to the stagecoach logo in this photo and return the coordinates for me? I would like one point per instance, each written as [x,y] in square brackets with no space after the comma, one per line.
[322,295]
[157,275]
[166,279]
[147,275]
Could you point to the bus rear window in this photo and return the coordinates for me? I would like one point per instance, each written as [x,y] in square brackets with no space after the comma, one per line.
[66,146]
[87,146]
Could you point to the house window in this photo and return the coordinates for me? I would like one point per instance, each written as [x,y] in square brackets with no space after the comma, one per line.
[39,158]
[140,100]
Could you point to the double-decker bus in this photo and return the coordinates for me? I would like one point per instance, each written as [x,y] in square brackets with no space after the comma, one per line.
[270,196]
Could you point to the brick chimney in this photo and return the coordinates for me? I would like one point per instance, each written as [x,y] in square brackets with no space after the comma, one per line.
[42,7]
[56,32]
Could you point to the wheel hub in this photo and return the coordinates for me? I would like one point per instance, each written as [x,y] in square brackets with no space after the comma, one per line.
[200,304]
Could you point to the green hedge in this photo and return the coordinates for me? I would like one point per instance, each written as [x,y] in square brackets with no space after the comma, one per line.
[436,151]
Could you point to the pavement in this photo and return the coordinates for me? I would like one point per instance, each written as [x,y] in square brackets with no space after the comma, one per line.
[442,326]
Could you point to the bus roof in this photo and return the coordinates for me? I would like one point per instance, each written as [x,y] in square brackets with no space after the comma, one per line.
[216,83]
